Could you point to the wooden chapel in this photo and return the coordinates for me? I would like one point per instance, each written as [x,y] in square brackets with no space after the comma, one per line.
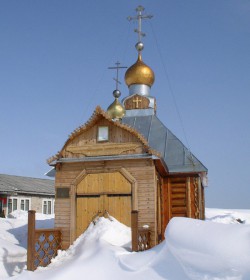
[125,159]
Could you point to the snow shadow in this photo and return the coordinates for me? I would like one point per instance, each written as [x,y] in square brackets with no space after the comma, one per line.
[13,264]
[21,233]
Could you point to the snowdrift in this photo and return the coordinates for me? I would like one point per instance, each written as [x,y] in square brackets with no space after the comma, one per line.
[13,241]
[193,249]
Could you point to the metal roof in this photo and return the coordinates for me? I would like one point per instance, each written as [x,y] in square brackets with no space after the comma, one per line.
[175,155]
[26,185]
[106,158]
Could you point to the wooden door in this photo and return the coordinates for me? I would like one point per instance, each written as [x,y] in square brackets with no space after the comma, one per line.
[101,192]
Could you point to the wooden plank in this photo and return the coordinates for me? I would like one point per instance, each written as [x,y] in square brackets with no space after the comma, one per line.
[179,215]
[134,229]
[178,195]
[178,209]
[177,180]
[62,203]
[62,209]
[178,202]
[179,190]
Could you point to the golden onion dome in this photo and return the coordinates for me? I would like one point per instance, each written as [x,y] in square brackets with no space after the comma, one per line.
[139,73]
[116,110]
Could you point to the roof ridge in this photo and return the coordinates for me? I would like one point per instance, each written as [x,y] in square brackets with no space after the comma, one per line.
[26,177]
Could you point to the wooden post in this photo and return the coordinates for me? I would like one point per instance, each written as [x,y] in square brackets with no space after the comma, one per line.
[134,230]
[31,240]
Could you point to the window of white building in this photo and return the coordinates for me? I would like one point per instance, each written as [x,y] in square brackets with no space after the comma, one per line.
[25,204]
[48,206]
[18,203]
[12,204]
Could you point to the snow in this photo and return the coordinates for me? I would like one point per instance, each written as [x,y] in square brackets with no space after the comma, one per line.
[218,248]
[228,216]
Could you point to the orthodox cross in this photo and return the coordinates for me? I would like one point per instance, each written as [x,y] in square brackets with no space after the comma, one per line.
[117,67]
[139,17]
[136,101]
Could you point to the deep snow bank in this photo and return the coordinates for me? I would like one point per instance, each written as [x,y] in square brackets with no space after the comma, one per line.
[207,250]
[193,249]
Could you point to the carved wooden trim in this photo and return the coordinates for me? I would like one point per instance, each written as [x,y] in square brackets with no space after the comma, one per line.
[42,244]
[97,115]
[189,211]
[200,197]
[196,198]
[104,149]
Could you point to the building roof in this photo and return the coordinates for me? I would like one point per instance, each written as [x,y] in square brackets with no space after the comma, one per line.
[25,185]
[176,156]
[159,140]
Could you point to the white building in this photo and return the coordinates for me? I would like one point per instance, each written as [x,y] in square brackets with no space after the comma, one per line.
[25,193]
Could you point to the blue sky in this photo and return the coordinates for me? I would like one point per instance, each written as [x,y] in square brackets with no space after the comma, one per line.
[54,56]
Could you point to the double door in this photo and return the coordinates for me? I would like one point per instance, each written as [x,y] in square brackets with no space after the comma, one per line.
[102,194]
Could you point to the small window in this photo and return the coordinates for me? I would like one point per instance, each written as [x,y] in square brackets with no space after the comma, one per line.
[22,204]
[14,204]
[47,207]
[25,204]
[9,205]
[103,134]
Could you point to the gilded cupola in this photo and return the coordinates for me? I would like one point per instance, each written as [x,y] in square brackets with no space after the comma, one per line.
[115,110]
[139,77]
[139,73]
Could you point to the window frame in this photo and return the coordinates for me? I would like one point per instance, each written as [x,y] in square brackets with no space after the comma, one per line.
[103,133]
[49,203]
[11,201]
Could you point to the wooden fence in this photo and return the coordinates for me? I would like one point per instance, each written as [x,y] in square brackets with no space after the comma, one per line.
[140,236]
[43,244]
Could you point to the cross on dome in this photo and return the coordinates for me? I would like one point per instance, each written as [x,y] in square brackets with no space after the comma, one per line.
[139,77]
[140,16]
[117,67]
[116,111]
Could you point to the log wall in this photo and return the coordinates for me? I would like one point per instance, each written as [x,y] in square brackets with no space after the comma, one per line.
[182,196]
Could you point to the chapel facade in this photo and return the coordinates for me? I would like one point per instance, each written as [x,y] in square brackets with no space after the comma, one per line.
[125,159]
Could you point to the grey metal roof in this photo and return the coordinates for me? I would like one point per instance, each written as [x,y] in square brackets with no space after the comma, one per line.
[26,185]
[175,155]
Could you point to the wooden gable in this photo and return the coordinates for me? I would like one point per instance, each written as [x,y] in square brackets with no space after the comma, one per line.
[122,139]
[119,142]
